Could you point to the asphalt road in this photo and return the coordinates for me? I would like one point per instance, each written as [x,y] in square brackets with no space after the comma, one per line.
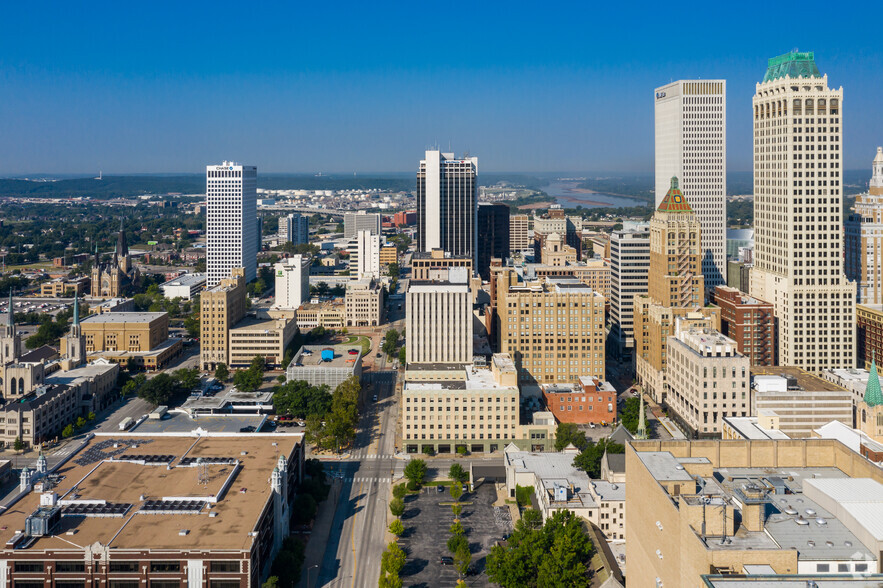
[358,533]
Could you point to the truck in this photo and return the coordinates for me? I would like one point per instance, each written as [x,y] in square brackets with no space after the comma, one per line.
[159,413]
[126,423]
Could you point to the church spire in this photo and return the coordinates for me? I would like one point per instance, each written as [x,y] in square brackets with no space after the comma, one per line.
[76,309]
[122,246]
[10,312]
[873,395]
[641,433]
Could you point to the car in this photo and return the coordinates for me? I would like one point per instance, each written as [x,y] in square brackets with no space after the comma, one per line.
[439,488]
[353,352]
[374,398]
[591,425]
[301,424]
[446,561]
[284,417]
[465,488]
[248,429]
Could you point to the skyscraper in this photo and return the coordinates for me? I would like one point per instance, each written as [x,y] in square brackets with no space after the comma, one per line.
[367,262]
[353,222]
[231,209]
[439,319]
[492,236]
[295,227]
[447,198]
[864,239]
[691,144]
[798,215]
[292,282]
[629,267]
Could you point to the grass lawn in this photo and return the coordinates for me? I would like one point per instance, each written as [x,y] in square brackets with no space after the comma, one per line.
[365,342]
[44,265]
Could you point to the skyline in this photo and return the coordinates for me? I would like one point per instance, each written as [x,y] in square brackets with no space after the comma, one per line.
[368,90]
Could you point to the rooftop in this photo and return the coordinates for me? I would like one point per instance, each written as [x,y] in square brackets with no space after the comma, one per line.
[123,317]
[749,429]
[161,468]
[799,581]
[805,380]
[186,280]
[311,356]
[179,422]
[256,324]
[794,64]
[474,378]
[554,469]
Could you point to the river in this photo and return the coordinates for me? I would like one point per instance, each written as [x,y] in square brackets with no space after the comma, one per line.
[566,194]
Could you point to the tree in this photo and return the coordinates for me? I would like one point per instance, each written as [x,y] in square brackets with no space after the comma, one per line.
[300,399]
[461,450]
[81,422]
[522,495]
[397,507]
[458,474]
[68,432]
[272,582]
[456,541]
[18,444]
[390,342]
[304,508]
[629,415]
[222,372]
[400,491]
[402,355]
[569,433]
[462,559]
[315,431]
[456,491]
[457,508]
[389,581]
[457,528]
[90,417]
[393,559]
[158,389]
[396,527]
[589,459]
[415,471]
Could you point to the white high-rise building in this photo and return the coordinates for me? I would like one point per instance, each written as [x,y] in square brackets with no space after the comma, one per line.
[447,204]
[438,325]
[798,215]
[292,282]
[629,270]
[353,222]
[367,258]
[230,210]
[691,144]
[294,227]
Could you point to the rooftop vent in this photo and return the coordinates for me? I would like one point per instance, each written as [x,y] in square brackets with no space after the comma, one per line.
[801,521]
[184,532]
[212,515]
[810,512]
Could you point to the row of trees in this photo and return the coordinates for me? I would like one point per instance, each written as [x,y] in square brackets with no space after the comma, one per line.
[337,427]
[556,553]
[249,380]
[163,386]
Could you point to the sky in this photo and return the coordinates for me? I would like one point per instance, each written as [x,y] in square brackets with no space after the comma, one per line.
[304,87]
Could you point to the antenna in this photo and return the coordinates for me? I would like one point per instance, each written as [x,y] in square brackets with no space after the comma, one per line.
[201,472]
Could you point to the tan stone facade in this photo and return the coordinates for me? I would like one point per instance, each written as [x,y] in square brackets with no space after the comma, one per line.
[557,253]
[329,315]
[268,339]
[364,303]
[123,331]
[221,307]
[426,266]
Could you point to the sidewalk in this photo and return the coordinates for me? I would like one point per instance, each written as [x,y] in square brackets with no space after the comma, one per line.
[315,551]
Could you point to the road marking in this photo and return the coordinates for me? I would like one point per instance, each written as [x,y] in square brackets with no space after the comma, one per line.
[353,538]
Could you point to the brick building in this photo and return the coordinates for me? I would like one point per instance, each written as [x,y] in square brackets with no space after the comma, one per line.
[590,401]
[749,322]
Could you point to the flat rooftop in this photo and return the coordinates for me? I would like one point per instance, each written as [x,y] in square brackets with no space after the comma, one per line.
[179,422]
[749,429]
[311,356]
[799,581]
[188,280]
[805,380]
[228,396]
[129,471]
[474,379]
[256,324]
[123,317]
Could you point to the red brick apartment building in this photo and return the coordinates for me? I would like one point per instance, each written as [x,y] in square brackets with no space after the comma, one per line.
[749,322]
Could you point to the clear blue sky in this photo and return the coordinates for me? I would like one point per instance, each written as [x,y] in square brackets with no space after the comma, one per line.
[343,86]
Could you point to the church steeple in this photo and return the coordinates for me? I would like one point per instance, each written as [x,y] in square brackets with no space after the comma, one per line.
[873,395]
[122,246]
[10,312]
[76,309]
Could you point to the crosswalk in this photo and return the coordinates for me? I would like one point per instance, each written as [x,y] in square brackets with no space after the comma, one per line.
[359,479]
[362,455]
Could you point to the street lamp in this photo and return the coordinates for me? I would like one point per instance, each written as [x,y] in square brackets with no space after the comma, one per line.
[308,573]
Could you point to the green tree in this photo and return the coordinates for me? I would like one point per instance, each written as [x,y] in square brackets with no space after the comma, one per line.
[390,342]
[522,495]
[402,355]
[81,422]
[396,527]
[222,372]
[568,433]
[629,416]
[18,444]
[400,491]
[463,558]
[457,508]
[158,389]
[415,471]
[589,459]
[456,541]
[456,491]
[315,432]
[457,528]
[90,417]
[397,507]
[389,581]
[272,582]
[68,432]
[393,559]
[458,473]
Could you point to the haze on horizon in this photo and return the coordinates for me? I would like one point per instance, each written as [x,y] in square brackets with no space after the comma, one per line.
[147,88]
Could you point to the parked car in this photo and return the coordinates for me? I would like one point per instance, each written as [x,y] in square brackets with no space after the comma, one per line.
[374,398]
[439,488]
[446,561]
[248,429]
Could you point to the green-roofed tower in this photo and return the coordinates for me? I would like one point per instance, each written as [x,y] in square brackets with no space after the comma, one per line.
[794,64]
[674,200]
[873,395]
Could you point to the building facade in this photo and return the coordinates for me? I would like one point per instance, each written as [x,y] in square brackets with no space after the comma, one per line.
[707,379]
[438,315]
[64,287]
[367,262]
[749,322]
[590,401]
[185,287]
[798,218]
[553,329]
[294,228]
[231,228]
[869,332]
[430,265]
[292,282]
[629,267]
[799,402]
[353,222]
[221,307]
[265,338]
[520,237]
[447,198]
[864,239]
[492,236]
[691,144]
[364,303]
[555,252]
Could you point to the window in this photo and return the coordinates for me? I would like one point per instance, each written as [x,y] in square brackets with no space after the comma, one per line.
[224,584]
[124,584]
[165,566]
[230,566]
[29,567]
[823,568]
[70,584]
[28,584]
[165,584]
[70,566]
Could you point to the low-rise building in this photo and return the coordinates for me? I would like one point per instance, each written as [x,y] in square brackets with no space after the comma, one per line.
[801,401]
[157,510]
[791,507]
[266,338]
[113,305]
[388,254]
[707,380]
[749,322]
[559,486]
[185,286]
[590,401]
[854,379]
[64,287]
[445,407]
[328,315]
[139,339]
[325,364]
[364,304]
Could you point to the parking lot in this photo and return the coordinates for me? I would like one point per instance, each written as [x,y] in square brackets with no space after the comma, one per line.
[427,529]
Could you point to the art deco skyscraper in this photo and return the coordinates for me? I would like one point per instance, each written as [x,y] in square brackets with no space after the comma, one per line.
[691,143]
[798,215]
[447,201]
[864,239]
[231,209]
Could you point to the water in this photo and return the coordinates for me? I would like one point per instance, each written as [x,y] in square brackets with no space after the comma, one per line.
[564,194]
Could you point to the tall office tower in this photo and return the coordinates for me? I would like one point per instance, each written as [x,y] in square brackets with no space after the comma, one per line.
[798,215]
[230,210]
[447,198]
[259,233]
[691,143]
[368,255]
[353,222]
[221,307]
[629,267]
[295,228]
[492,236]
[864,239]
[292,282]
[520,237]
[438,314]
[675,277]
